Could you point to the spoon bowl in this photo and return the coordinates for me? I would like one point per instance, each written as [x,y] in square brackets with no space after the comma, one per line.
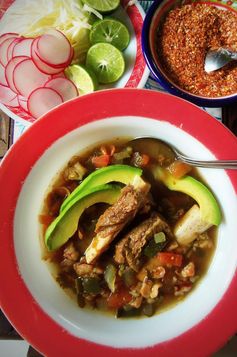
[216,59]
[156,147]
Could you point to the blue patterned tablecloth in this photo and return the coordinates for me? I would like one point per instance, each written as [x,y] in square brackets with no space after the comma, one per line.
[19,128]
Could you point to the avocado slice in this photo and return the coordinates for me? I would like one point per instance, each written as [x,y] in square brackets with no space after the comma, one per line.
[209,209]
[117,173]
[65,225]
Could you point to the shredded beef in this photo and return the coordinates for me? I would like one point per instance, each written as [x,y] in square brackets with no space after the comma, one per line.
[115,218]
[129,249]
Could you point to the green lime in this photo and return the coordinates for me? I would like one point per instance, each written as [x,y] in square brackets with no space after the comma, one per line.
[111,31]
[106,61]
[84,79]
[103,5]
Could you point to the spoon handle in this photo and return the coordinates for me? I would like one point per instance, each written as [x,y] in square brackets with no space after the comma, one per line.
[217,164]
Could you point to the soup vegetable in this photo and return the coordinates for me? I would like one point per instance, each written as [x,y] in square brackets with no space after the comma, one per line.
[129,229]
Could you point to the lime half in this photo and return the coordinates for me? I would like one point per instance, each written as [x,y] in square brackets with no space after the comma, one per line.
[110,31]
[84,79]
[103,5]
[106,61]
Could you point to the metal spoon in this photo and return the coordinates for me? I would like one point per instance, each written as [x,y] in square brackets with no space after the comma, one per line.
[155,147]
[216,59]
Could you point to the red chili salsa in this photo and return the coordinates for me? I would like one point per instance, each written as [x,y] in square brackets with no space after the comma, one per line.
[182,42]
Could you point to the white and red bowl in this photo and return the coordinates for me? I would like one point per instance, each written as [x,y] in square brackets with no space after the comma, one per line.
[37,307]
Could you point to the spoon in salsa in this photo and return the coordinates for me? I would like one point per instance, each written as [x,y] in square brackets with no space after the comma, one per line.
[158,148]
[216,59]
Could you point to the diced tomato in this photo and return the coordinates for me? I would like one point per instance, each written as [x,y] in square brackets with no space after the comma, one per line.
[166,258]
[119,299]
[140,160]
[178,169]
[145,160]
[101,161]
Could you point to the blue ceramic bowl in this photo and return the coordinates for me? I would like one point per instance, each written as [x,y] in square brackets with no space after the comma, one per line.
[155,14]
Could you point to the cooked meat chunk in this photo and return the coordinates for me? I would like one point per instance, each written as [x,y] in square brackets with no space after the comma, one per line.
[115,218]
[148,204]
[83,269]
[70,255]
[129,249]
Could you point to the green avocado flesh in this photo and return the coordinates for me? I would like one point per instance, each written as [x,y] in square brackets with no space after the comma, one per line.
[209,208]
[114,173]
[65,225]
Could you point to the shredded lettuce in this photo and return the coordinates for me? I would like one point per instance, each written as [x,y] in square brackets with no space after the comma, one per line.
[31,18]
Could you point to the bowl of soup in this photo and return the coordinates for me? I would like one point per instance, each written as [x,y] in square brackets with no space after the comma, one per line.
[108,242]
[176,38]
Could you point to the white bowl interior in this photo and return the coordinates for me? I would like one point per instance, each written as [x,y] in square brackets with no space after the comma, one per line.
[92,325]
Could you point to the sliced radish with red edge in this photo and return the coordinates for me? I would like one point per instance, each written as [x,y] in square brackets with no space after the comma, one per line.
[23,48]
[23,102]
[3,50]
[11,48]
[8,97]
[43,67]
[64,87]
[3,79]
[9,69]
[42,100]
[27,77]
[59,75]
[54,48]
[8,35]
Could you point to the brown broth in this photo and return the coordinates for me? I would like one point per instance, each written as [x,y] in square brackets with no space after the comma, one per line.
[167,203]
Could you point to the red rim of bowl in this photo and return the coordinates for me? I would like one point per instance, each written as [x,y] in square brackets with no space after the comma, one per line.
[30,320]
[136,15]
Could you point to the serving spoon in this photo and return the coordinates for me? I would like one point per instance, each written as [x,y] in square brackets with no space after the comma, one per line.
[216,59]
[160,147]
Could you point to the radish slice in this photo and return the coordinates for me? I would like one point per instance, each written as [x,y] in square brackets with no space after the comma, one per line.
[54,48]
[11,48]
[3,80]
[42,100]
[23,103]
[27,77]
[3,50]
[7,35]
[64,87]
[23,48]
[8,97]
[59,75]
[43,67]
[10,67]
